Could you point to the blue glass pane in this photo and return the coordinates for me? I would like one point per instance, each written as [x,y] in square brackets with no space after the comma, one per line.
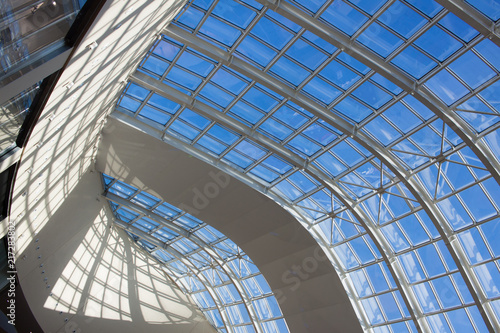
[276,129]
[387,84]
[379,39]
[184,129]
[246,112]
[472,70]
[250,150]
[414,62]
[339,74]
[166,50]
[216,95]
[290,71]
[219,31]
[353,109]
[458,27]
[183,78]
[428,7]
[290,117]
[191,17]
[344,17]
[402,19]
[306,54]
[350,61]
[284,21]
[446,87]
[234,13]
[304,145]
[155,65]
[369,6]
[229,81]
[163,103]
[321,43]
[489,51]
[438,43]
[271,33]
[195,64]
[256,51]
[321,90]
[372,95]
[312,5]
[154,115]
[382,131]
[260,99]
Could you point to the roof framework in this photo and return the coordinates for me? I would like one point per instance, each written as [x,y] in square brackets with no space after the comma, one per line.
[202,262]
[337,110]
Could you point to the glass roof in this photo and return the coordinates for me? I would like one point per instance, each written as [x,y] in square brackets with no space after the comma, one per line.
[377,122]
[222,280]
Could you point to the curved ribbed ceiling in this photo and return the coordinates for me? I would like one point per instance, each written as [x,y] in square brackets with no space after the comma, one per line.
[375,121]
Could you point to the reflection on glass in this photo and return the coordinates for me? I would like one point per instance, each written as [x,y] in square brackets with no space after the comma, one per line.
[27,26]
[12,115]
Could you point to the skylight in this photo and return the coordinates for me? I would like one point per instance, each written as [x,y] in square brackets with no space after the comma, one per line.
[375,121]
[222,280]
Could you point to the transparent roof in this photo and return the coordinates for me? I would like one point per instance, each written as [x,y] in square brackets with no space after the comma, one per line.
[375,122]
[222,280]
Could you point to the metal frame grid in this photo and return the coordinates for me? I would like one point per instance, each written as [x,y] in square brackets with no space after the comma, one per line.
[213,270]
[375,128]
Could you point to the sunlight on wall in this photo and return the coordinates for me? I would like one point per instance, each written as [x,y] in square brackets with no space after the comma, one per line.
[67,292]
[108,277]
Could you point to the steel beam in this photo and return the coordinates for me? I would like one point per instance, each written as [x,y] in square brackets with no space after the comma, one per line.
[381,152]
[358,308]
[473,17]
[392,73]
[294,159]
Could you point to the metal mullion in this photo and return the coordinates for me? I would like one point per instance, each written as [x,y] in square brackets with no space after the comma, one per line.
[348,93]
[231,148]
[315,72]
[410,41]
[304,194]
[473,17]
[299,130]
[210,289]
[388,291]
[380,249]
[361,265]
[372,19]
[183,49]
[270,115]
[357,185]
[203,132]
[205,16]
[413,153]
[488,195]
[239,97]
[392,73]
[398,195]
[455,192]
[476,92]
[457,54]
[477,112]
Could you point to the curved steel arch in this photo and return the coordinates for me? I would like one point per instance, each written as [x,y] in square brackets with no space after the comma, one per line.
[383,154]
[262,189]
[298,161]
[472,17]
[392,73]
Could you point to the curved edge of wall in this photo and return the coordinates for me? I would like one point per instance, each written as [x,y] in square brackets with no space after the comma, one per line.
[309,291]
[55,192]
